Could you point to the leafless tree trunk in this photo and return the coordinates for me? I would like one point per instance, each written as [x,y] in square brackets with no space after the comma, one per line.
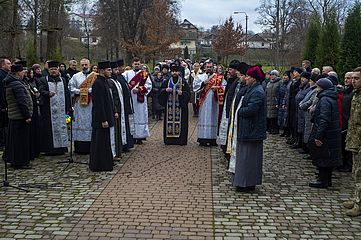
[53,28]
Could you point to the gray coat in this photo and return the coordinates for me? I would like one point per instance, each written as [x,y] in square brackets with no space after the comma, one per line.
[304,105]
[301,114]
[272,90]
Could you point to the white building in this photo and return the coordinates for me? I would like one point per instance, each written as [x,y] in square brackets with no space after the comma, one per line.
[189,38]
[258,42]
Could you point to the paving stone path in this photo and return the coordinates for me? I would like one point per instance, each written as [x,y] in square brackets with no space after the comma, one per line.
[175,192]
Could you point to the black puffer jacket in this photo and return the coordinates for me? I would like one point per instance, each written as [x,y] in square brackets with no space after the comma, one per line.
[326,128]
[18,98]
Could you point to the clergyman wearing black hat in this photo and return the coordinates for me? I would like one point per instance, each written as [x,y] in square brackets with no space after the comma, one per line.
[54,103]
[101,154]
[237,71]
[233,67]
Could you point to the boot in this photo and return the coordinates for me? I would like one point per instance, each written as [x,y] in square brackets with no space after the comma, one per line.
[354,212]
[349,204]
[322,181]
[317,184]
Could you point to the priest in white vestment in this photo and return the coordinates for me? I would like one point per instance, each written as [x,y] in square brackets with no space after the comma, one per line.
[82,119]
[210,86]
[140,86]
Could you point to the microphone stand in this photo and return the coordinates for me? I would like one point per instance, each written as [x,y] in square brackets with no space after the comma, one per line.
[6,183]
[70,159]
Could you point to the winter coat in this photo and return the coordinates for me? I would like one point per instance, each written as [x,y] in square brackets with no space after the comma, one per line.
[292,107]
[252,115]
[304,106]
[18,98]
[272,90]
[3,105]
[283,97]
[301,114]
[156,87]
[326,128]
[353,139]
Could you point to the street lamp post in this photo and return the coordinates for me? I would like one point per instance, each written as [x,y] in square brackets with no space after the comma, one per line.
[238,12]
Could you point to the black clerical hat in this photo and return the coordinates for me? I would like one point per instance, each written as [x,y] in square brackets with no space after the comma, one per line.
[120,62]
[104,65]
[22,62]
[17,68]
[114,64]
[174,67]
[53,64]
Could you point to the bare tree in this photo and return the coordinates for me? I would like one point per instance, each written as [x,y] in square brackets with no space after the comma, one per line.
[286,21]
[123,24]
[229,40]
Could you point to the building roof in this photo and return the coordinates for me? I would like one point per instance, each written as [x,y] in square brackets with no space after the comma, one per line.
[187,24]
[256,38]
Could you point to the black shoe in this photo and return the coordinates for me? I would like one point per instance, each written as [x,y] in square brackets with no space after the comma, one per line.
[22,167]
[139,142]
[318,184]
[344,169]
[308,157]
[246,189]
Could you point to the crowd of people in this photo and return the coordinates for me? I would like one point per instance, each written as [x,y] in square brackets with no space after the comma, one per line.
[315,111]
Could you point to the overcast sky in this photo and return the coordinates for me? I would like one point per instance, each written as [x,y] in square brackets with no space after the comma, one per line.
[207,13]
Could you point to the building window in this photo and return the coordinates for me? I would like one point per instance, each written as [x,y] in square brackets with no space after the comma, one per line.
[94,39]
[263,44]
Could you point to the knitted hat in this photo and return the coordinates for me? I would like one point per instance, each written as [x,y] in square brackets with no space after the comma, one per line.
[36,66]
[256,72]
[333,79]
[275,72]
[306,75]
[324,83]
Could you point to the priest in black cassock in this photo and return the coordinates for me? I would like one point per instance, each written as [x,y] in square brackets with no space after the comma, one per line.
[174,96]
[54,104]
[101,156]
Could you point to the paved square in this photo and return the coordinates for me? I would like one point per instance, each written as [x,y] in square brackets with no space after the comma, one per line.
[175,192]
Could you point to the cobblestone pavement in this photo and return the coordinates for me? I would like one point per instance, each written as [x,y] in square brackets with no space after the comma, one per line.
[174,192]
[284,207]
